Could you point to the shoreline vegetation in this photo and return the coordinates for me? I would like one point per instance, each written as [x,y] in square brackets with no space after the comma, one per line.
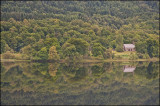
[83,60]
[116,57]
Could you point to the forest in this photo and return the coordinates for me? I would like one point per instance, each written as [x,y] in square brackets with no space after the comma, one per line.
[72,30]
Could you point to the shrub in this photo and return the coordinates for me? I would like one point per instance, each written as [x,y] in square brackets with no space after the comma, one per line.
[113,55]
[8,55]
[143,56]
[140,55]
[18,56]
[133,56]
[107,54]
[25,56]
[146,56]
[117,57]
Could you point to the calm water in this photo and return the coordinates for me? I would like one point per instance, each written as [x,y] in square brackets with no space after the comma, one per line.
[88,84]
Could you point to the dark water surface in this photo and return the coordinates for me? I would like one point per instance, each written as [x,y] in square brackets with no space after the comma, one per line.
[114,83]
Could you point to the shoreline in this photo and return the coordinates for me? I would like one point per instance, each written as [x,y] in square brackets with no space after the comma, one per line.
[122,60]
[14,60]
[82,61]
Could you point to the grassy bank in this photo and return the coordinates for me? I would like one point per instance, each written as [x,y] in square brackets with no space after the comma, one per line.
[14,60]
[120,60]
[86,60]
[118,56]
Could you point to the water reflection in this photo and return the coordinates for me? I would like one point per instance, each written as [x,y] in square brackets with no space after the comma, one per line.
[75,83]
[128,68]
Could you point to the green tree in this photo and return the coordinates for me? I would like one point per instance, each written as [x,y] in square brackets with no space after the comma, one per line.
[103,41]
[3,43]
[152,48]
[13,29]
[29,40]
[38,45]
[42,54]
[113,44]
[133,56]
[51,42]
[98,49]
[68,50]
[105,32]
[141,47]
[107,54]
[119,43]
[27,52]
[13,43]
[7,48]
[80,44]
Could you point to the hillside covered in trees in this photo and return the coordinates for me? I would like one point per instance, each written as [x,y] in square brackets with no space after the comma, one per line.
[78,29]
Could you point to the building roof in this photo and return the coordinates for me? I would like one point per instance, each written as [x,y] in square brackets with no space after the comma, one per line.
[129,45]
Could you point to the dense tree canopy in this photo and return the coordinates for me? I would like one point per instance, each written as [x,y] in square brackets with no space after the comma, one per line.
[79,27]
[119,42]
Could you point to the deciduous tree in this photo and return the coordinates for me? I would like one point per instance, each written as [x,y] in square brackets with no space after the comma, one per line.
[53,54]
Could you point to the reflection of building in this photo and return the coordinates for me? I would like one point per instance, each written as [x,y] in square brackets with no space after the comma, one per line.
[128,68]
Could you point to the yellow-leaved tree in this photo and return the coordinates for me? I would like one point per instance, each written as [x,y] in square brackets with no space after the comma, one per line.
[53,55]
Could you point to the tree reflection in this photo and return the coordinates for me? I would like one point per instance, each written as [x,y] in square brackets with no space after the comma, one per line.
[74,72]
[97,71]
[63,80]
[152,71]
[53,67]
[149,71]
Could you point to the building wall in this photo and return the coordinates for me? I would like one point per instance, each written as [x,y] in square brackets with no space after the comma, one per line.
[128,49]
